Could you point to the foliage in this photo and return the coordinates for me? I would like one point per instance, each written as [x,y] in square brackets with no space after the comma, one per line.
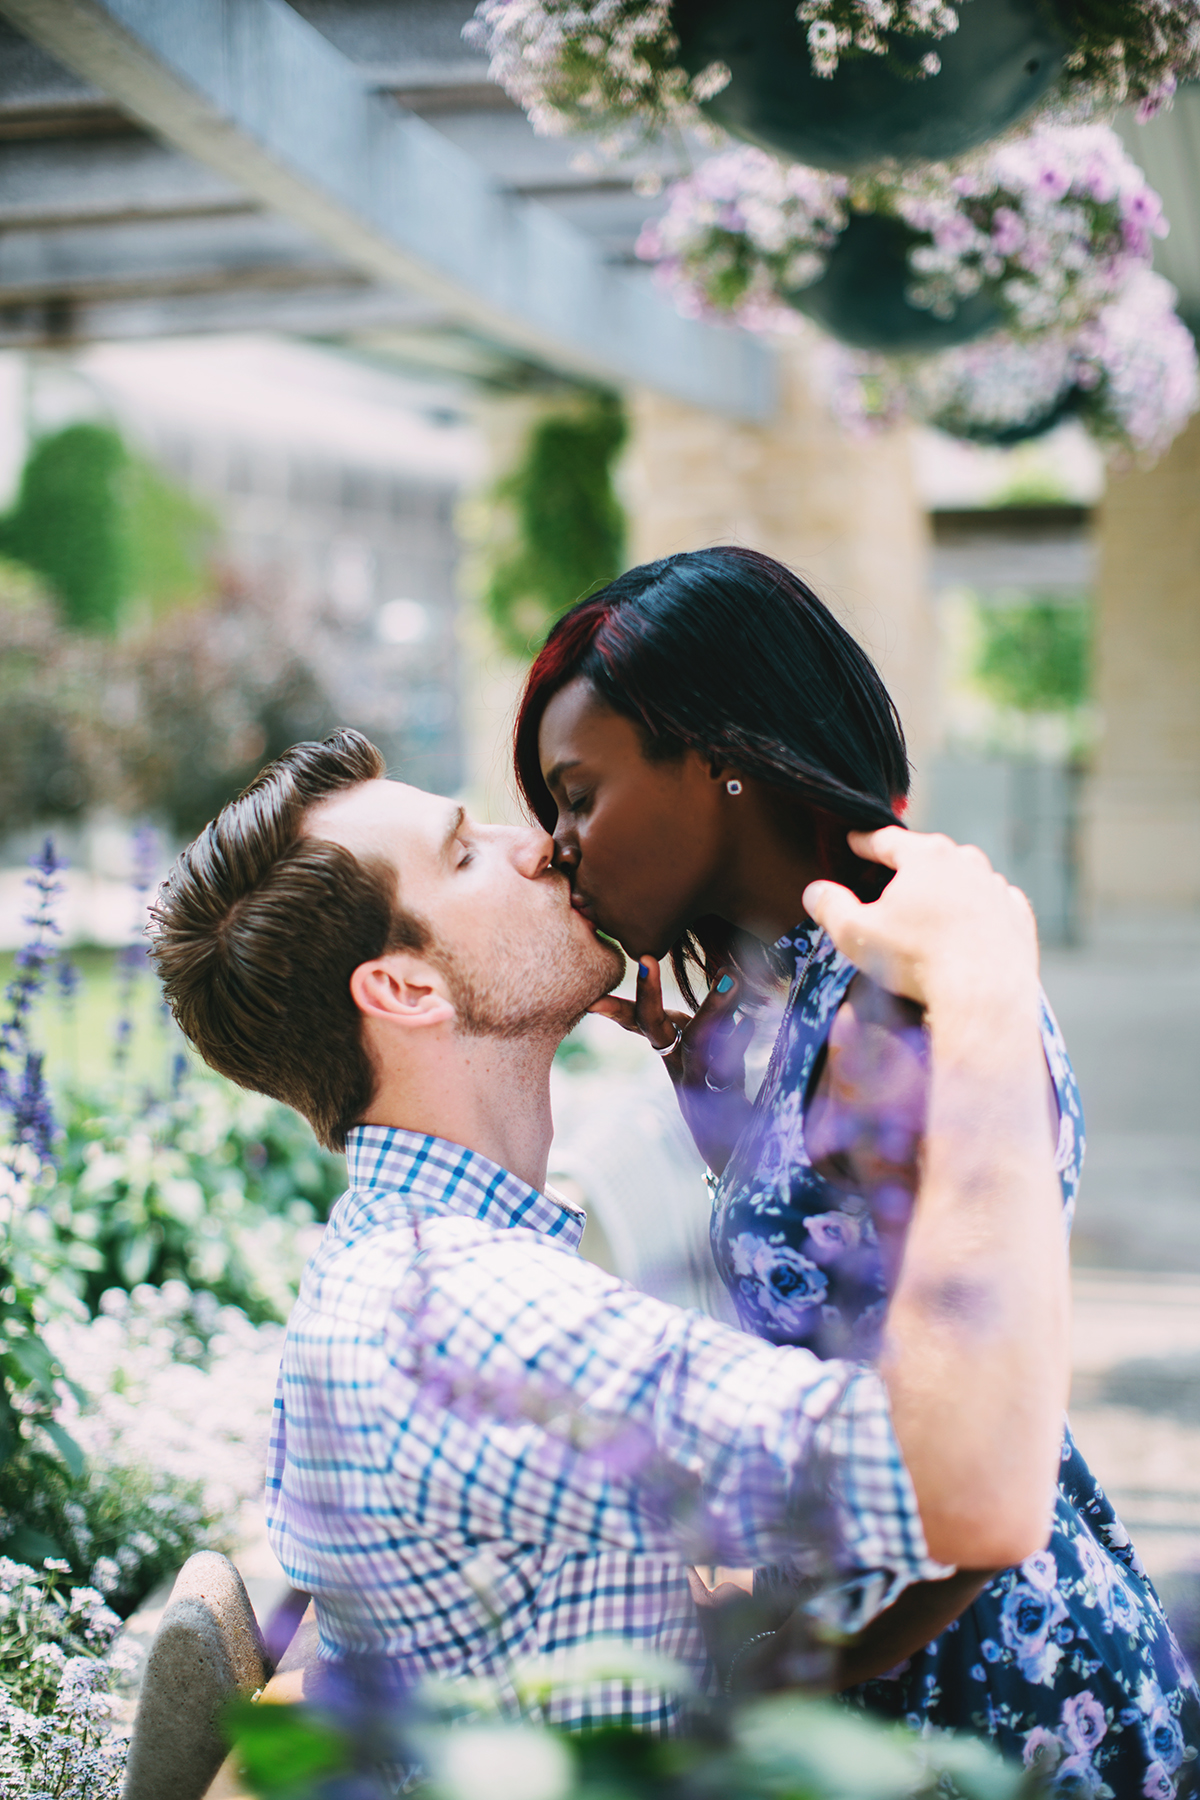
[66,523]
[1052,225]
[568,525]
[206,1184]
[28,1372]
[135,1436]
[170,1407]
[171,719]
[1035,656]
[362,1736]
[57,1735]
[104,528]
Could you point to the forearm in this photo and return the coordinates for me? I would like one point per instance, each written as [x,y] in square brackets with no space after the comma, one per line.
[977,1358]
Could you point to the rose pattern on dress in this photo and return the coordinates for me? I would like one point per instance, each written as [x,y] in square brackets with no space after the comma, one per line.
[1066,1662]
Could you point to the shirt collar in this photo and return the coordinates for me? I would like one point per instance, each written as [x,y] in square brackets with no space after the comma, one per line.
[432,1175]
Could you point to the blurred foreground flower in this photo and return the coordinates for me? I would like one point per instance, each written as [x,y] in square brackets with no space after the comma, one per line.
[443,1742]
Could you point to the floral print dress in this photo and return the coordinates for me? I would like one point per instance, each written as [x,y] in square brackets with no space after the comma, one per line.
[1066,1661]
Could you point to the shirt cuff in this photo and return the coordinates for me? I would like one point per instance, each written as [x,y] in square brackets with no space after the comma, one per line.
[881,1539]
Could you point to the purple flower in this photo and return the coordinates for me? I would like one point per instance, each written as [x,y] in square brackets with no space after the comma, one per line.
[831,1234]
[1083,1721]
[1043,1750]
[781,1283]
[24,1094]
[1158,1784]
[1008,230]
[1163,1737]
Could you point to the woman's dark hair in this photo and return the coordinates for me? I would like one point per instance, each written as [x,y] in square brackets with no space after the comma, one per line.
[727,652]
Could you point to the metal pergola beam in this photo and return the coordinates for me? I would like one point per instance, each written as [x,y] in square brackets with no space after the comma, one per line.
[252,90]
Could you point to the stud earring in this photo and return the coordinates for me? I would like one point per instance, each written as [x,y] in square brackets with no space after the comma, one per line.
[733,787]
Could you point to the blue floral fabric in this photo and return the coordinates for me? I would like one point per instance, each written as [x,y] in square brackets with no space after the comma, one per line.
[1067,1661]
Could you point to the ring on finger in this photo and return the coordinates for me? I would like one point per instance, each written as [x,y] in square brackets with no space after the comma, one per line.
[668,1049]
[713,1087]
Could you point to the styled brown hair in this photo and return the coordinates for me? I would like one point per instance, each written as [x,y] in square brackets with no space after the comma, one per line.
[257,930]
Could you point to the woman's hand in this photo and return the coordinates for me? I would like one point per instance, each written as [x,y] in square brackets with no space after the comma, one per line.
[705,1055]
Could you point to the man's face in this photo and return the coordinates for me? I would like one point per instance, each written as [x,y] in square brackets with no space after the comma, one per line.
[517,957]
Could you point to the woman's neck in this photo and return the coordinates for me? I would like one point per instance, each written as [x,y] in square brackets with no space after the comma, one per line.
[770,859]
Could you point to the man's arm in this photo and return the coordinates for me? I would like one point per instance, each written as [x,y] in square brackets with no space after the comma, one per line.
[976,1355]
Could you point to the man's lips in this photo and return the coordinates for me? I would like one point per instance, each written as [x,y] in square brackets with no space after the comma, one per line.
[581,905]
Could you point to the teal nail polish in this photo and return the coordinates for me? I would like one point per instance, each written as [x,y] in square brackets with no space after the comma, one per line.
[725,983]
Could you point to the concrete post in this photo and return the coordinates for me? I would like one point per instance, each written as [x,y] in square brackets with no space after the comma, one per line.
[842,511]
[1142,833]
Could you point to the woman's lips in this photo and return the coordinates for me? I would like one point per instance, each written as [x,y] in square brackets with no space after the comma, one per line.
[581,906]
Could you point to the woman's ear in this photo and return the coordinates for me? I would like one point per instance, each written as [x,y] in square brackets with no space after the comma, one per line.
[401,990]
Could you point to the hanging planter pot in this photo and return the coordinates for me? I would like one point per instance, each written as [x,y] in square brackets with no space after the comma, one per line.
[844,85]
[1130,375]
[1033,236]
[992,435]
[862,298]
[1004,57]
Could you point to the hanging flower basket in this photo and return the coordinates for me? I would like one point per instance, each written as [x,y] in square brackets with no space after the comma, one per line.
[842,84]
[1130,375]
[841,92]
[1041,232]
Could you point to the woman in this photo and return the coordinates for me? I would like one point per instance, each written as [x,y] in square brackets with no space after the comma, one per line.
[699,738]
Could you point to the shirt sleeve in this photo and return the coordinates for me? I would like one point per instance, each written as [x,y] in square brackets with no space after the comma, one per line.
[593,1415]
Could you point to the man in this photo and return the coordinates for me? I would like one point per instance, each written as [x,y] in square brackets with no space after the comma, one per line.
[485,1448]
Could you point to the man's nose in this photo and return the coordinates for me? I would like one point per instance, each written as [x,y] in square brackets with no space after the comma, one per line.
[533,851]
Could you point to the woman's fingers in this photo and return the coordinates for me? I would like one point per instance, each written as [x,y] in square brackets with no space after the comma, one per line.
[657,1025]
[621,1012]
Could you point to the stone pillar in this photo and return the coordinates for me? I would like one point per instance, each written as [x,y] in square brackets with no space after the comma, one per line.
[492,678]
[1142,833]
[844,512]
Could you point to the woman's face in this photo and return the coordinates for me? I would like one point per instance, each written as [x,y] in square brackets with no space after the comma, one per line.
[643,842]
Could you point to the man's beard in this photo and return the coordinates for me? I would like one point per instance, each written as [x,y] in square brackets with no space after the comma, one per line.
[544,1001]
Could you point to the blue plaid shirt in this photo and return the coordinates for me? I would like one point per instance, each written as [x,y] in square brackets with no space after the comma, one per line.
[486,1449]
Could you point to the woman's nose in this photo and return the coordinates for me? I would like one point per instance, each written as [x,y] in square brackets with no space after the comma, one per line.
[566,854]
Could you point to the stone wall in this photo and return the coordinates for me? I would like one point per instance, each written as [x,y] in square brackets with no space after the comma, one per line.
[1142,835]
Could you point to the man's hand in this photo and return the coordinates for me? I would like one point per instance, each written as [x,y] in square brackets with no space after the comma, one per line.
[975,1353]
[946,918]
[708,1063]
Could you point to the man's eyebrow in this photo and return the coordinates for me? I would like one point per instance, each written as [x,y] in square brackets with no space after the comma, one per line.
[455,826]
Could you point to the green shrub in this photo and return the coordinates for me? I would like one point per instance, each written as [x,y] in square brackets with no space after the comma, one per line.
[568,527]
[105,528]
[1036,655]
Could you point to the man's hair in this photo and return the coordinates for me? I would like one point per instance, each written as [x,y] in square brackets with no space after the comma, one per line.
[257,930]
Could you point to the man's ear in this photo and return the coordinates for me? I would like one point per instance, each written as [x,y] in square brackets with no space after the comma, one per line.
[401,989]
